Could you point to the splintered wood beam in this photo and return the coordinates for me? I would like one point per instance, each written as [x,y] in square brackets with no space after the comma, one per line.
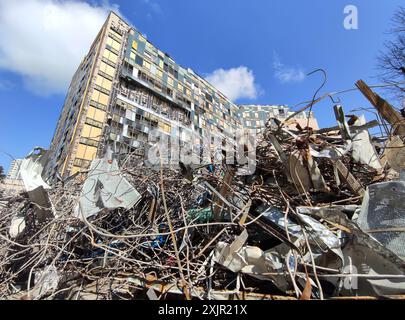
[387,111]
[352,182]
[219,203]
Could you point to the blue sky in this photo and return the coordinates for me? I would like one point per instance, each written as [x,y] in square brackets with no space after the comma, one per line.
[268,46]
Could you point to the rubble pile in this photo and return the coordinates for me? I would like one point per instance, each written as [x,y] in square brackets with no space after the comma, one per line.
[322,217]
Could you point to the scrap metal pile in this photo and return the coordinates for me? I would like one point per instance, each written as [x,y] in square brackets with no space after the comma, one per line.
[322,217]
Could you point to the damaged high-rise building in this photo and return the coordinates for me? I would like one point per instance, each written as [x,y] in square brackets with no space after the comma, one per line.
[125,88]
[256,116]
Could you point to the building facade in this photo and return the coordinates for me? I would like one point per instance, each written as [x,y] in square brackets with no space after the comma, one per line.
[124,88]
[13,181]
[256,116]
[14,171]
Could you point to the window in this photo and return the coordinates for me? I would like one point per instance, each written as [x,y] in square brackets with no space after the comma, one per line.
[115,34]
[146,65]
[113,44]
[134,45]
[147,55]
[167,128]
[86,152]
[110,55]
[107,69]
[96,114]
[100,97]
[139,60]
[103,83]
[91,132]
[170,81]
[149,47]
[132,55]
[81,149]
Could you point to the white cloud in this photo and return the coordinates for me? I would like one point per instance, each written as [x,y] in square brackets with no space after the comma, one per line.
[286,74]
[235,83]
[45,40]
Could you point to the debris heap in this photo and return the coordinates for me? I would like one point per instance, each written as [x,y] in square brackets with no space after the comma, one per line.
[322,217]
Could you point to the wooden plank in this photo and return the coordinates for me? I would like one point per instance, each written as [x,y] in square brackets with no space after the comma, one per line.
[345,174]
[384,108]
[366,126]
[219,203]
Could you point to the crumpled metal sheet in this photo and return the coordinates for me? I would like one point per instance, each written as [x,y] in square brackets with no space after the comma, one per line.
[317,231]
[31,174]
[250,259]
[330,152]
[105,187]
[382,215]
[363,255]
[32,167]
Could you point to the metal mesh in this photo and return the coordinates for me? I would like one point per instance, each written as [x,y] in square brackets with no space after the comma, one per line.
[383,215]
